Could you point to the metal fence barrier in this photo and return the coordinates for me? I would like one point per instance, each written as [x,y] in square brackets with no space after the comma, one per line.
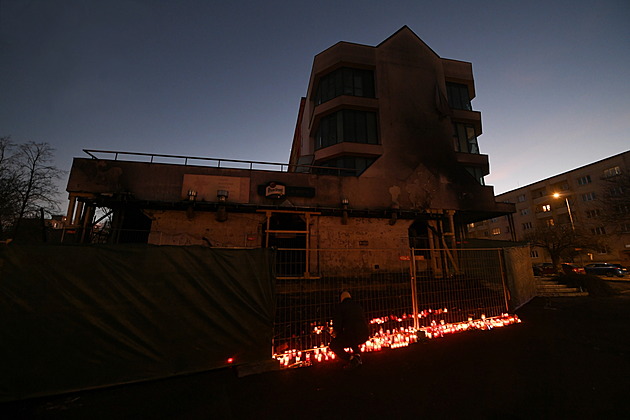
[403,292]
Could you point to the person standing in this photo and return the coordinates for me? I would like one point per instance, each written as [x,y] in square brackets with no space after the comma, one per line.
[350,330]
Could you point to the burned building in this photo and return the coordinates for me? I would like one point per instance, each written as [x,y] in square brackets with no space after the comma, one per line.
[384,155]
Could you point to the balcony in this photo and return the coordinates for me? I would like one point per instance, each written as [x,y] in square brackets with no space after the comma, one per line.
[473,159]
[348,148]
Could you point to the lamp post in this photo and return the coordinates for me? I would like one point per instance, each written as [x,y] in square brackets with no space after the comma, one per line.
[566,200]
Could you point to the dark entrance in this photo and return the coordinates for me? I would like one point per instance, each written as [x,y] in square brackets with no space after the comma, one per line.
[288,232]
[131,225]
[419,235]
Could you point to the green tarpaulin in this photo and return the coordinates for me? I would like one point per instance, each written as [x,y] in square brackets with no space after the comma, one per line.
[79,317]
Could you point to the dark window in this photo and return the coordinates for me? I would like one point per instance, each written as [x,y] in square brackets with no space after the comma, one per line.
[477,173]
[539,193]
[345,81]
[590,214]
[616,191]
[600,230]
[347,126]
[584,180]
[465,138]
[458,97]
[346,166]
[622,209]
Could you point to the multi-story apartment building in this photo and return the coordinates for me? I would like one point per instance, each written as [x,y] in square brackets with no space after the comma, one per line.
[385,154]
[576,197]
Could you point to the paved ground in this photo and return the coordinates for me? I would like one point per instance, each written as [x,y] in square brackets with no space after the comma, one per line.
[570,358]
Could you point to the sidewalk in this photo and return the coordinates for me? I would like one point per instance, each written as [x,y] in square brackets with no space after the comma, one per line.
[569,358]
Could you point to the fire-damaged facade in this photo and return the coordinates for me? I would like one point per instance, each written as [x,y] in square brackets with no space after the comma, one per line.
[384,155]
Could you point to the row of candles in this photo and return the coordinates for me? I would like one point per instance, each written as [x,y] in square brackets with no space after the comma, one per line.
[394,338]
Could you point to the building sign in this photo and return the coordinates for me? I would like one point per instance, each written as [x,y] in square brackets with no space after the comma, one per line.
[278,190]
[275,190]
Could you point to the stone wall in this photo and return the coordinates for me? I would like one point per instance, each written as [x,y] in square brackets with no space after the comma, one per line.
[202,228]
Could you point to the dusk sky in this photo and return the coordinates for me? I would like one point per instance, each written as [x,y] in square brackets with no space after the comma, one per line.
[224,78]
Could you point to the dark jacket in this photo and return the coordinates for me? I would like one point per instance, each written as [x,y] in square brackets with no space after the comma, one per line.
[349,322]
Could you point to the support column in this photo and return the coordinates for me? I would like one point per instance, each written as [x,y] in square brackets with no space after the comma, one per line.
[86,222]
[72,202]
[77,214]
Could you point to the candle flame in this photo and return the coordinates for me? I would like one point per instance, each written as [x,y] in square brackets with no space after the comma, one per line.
[396,337]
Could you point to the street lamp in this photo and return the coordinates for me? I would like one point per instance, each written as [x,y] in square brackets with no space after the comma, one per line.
[566,200]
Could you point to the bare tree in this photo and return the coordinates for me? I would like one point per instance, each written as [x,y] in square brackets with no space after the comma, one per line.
[27,180]
[560,241]
[9,202]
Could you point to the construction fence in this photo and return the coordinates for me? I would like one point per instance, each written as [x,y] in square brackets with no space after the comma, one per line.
[406,290]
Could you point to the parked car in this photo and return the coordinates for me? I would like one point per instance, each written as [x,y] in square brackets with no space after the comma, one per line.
[604,269]
[544,269]
[572,269]
[622,268]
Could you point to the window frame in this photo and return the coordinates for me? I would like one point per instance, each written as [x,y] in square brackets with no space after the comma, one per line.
[463,142]
[458,96]
[345,81]
[344,126]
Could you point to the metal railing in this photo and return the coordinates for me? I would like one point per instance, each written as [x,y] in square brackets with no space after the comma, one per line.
[216,162]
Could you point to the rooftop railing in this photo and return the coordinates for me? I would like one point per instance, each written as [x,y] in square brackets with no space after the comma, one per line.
[187,160]
[215,162]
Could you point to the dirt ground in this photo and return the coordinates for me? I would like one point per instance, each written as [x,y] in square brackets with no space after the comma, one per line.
[569,358]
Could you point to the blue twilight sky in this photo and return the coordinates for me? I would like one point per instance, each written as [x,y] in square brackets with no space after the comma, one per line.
[224,78]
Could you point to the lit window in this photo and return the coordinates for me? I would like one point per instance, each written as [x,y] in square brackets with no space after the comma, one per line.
[612,172]
[546,207]
[496,231]
[550,222]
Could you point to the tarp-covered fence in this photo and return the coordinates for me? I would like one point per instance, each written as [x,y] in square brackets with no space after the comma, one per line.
[75,317]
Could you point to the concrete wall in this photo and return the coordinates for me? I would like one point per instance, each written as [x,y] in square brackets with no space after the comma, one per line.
[520,277]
